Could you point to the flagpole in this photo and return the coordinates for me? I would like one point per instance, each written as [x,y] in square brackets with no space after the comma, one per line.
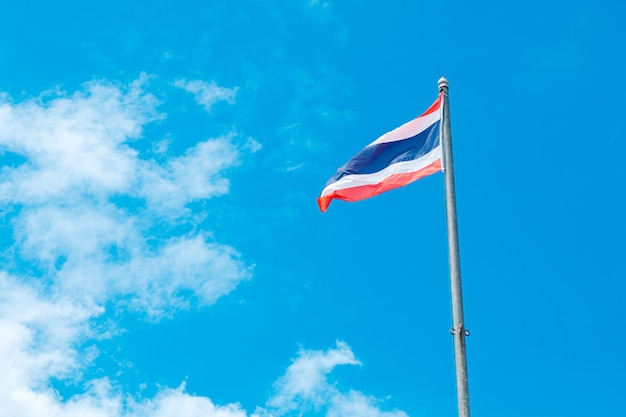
[458,330]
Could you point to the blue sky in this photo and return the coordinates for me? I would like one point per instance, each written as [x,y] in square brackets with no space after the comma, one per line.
[163,253]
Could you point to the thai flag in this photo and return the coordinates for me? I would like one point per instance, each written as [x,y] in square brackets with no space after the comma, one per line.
[406,154]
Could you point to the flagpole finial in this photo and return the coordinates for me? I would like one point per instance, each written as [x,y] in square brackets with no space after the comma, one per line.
[443,84]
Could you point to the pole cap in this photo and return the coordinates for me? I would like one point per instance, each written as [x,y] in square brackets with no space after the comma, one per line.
[443,83]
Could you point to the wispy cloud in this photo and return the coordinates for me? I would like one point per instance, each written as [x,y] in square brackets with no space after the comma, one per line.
[306,387]
[193,176]
[177,402]
[305,381]
[318,3]
[207,94]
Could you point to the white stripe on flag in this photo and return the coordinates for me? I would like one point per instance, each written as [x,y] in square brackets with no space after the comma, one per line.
[405,167]
[409,129]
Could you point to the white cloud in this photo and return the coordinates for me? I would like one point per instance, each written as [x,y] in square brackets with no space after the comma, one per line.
[40,334]
[162,280]
[318,3]
[176,402]
[73,143]
[78,159]
[85,250]
[193,176]
[305,388]
[356,404]
[207,94]
[305,379]
[78,253]
[79,232]
[252,145]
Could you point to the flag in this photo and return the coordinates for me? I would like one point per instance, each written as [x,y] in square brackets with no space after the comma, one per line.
[397,158]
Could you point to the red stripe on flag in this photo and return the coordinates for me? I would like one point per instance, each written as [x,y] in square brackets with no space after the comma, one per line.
[366,191]
[434,107]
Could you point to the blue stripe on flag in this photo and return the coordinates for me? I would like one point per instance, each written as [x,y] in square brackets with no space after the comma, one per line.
[378,157]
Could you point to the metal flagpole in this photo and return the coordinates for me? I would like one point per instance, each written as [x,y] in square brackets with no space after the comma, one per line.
[458,330]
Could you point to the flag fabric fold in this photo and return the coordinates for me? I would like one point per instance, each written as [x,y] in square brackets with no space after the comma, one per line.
[397,158]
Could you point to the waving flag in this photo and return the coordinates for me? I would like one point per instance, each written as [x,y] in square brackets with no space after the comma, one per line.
[406,154]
